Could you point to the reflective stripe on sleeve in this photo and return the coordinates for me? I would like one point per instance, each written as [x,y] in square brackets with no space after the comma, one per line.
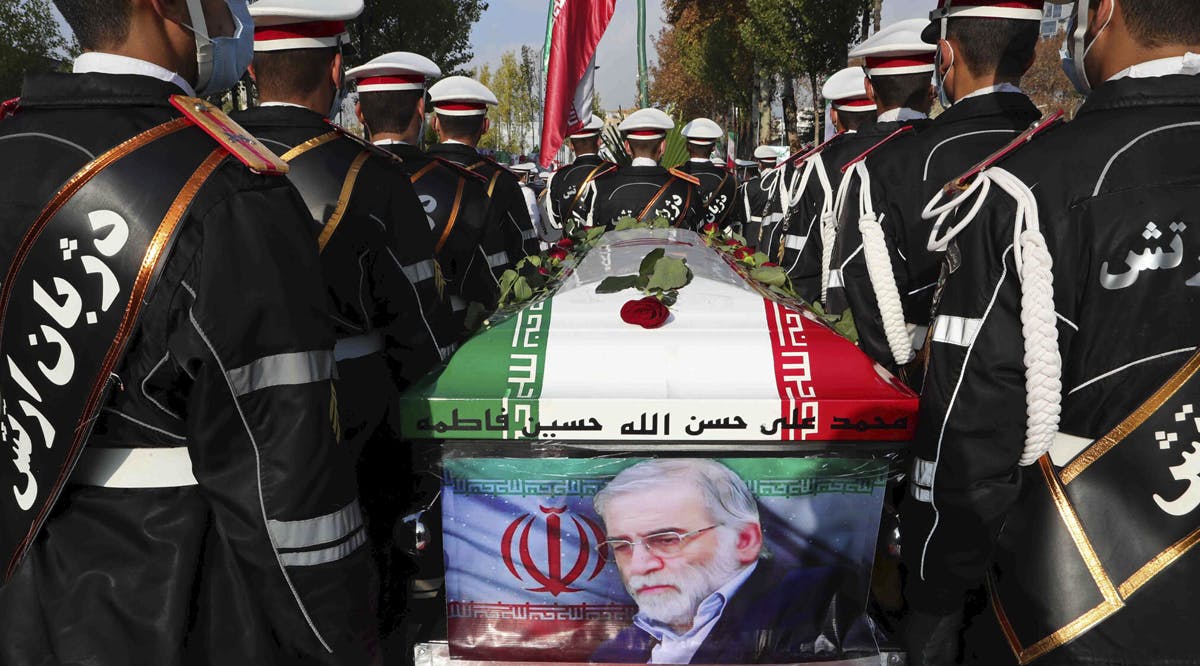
[835,278]
[529,234]
[309,558]
[498,259]
[358,346]
[420,271]
[316,531]
[797,243]
[922,481]
[282,370]
[958,331]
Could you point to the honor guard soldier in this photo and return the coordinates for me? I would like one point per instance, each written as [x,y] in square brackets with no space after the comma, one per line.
[984,48]
[1056,454]
[568,183]
[820,174]
[898,67]
[460,120]
[376,246]
[525,171]
[758,205]
[178,493]
[643,190]
[718,187]
[391,105]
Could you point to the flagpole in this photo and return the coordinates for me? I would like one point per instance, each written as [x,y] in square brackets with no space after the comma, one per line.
[643,86]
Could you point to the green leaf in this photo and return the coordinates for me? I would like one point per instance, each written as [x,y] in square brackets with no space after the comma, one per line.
[615,283]
[522,291]
[816,307]
[533,259]
[774,276]
[595,233]
[845,326]
[669,273]
[760,258]
[626,222]
[668,298]
[650,260]
[660,223]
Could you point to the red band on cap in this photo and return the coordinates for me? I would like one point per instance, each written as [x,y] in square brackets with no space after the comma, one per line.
[900,61]
[645,132]
[1006,4]
[392,80]
[854,102]
[312,29]
[460,106]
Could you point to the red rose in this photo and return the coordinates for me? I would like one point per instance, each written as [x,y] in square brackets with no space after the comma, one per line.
[566,243]
[731,242]
[770,264]
[743,253]
[646,312]
[558,254]
[710,228]
[542,270]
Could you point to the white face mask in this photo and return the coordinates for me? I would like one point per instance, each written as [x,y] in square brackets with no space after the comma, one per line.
[221,61]
[943,94]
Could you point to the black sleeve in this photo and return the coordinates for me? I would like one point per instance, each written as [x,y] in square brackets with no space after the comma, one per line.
[253,331]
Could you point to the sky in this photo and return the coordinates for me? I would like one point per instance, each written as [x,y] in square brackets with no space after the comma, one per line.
[507,24]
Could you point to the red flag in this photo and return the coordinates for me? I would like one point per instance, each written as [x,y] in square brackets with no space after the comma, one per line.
[575,31]
[731,152]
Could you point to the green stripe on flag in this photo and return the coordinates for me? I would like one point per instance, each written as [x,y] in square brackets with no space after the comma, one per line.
[584,477]
[507,362]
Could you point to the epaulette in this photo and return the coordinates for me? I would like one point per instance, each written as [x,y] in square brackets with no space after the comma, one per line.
[903,130]
[802,157]
[230,135]
[1036,129]
[460,169]
[683,175]
[367,145]
[9,108]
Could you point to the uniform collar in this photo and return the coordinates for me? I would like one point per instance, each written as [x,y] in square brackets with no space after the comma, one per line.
[699,160]
[110,63]
[1133,92]
[643,162]
[390,142]
[1188,64]
[282,115]
[998,88]
[1002,102]
[902,115]
[270,104]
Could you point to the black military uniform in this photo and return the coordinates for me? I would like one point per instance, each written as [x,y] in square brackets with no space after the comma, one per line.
[1114,194]
[759,206]
[567,186]
[258,559]
[802,242]
[644,193]
[878,137]
[507,209]
[456,203]
[378,261]
[717,191]
[904,177]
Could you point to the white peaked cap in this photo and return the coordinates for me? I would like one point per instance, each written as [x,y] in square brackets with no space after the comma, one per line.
[398,70]
[847,92]
[282,25]
[766,153]
[702,130]
[646,124]
[461,96]
[591,128]
[897,49]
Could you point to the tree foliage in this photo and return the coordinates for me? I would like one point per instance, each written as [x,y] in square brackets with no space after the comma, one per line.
[516,83]
[1047,85]
[437,29]
[29,42]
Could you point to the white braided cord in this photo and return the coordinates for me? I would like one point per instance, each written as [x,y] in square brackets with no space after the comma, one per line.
[1039,325]
[831,211]
[879,268]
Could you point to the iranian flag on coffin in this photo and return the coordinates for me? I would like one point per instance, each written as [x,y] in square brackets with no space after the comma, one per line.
[525,580]
[731,364]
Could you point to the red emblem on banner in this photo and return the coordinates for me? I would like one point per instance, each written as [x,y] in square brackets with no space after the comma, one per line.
[552,579]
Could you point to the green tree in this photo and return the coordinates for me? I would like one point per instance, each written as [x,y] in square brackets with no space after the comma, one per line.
[515,120]
[437,29]
[29,42]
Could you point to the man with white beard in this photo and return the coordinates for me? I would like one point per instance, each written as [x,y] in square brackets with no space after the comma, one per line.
[688,542]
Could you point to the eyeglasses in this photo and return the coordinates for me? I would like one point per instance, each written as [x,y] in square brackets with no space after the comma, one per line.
[663,544]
